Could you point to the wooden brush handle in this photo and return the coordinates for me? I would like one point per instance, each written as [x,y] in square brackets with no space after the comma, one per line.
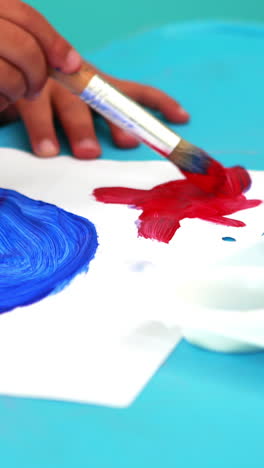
[76,82]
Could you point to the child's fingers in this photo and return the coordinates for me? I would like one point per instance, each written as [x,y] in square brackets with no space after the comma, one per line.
[21,51]
[4,102]
[12,82]
[10,114]
[77,121]
[158,100]
[59,52]
[149,97]
[154,99]
[121,138]
[38,119]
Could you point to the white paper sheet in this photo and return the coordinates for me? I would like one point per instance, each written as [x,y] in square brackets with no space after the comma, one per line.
[102,338]
[91,342]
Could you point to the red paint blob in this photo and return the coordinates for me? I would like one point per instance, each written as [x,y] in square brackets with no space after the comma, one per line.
[210,182]
[164,206]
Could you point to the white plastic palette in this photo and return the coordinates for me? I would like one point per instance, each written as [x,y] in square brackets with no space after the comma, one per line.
[101,339]
[222,308]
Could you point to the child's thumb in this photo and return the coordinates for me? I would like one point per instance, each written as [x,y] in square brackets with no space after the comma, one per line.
[59,53]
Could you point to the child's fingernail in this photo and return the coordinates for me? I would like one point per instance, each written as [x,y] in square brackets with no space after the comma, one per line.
[87,148]
[46,148]
[126,140]
[72,63]
[183,113]
[130,139]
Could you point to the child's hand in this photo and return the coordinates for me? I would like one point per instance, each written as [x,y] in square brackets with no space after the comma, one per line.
[28,44]
[77,119]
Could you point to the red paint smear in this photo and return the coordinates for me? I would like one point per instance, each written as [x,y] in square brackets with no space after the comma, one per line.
[210,182]
[164,206]
[214,177]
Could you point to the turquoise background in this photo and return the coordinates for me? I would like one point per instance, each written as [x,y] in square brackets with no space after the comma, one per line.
[90,24]
[201,409]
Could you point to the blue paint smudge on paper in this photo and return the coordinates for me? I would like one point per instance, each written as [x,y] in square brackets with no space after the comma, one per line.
[141,266]
[42,248]
[229,239]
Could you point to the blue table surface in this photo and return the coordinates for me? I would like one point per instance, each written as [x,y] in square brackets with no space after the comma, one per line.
[201,408]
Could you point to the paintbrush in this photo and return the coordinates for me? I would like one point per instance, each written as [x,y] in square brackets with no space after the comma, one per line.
[130,116]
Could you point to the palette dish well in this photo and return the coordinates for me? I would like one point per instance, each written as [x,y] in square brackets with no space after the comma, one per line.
[229,302]
[234,288]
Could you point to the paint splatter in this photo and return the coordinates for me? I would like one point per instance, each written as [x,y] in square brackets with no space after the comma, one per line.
[139,267]
[229,239]
[164,206]
[42,248]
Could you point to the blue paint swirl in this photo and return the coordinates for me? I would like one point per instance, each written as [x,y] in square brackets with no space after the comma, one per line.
[42,248]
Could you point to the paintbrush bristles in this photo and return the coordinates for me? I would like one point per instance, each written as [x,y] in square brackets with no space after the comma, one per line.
[190,158]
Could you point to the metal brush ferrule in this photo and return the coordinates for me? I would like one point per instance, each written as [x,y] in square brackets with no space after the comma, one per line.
[127,114]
